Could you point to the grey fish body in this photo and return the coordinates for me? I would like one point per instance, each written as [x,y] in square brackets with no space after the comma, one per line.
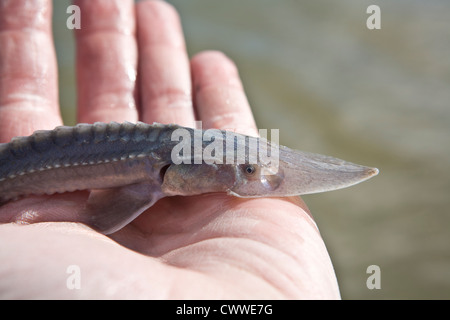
[82,157]
[128,167]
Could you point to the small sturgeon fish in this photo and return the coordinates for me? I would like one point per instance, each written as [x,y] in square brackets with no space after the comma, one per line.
[128,167]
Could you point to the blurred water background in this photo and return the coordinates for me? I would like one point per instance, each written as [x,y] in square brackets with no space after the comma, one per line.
[375,97]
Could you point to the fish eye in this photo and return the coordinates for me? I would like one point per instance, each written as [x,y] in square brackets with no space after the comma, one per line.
[249,169]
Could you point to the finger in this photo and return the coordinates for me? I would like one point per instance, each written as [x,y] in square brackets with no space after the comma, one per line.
[219,97]
[220,100]
[28,74]
[106,61]
[164,74]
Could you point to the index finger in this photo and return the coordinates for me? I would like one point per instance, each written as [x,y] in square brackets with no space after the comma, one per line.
[28,72]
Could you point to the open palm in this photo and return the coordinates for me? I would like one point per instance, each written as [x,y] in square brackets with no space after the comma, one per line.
[212,246]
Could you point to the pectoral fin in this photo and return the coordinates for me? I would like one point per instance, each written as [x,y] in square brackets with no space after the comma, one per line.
[108,210]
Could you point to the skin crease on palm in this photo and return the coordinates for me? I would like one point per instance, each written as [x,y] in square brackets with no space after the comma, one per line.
[132,65]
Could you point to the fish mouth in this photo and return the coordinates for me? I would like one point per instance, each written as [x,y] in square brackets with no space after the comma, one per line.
[300,173]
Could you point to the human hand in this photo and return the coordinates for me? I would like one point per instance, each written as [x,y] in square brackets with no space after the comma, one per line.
[212,246]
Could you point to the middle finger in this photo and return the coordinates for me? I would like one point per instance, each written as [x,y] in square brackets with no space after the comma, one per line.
[164,73]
